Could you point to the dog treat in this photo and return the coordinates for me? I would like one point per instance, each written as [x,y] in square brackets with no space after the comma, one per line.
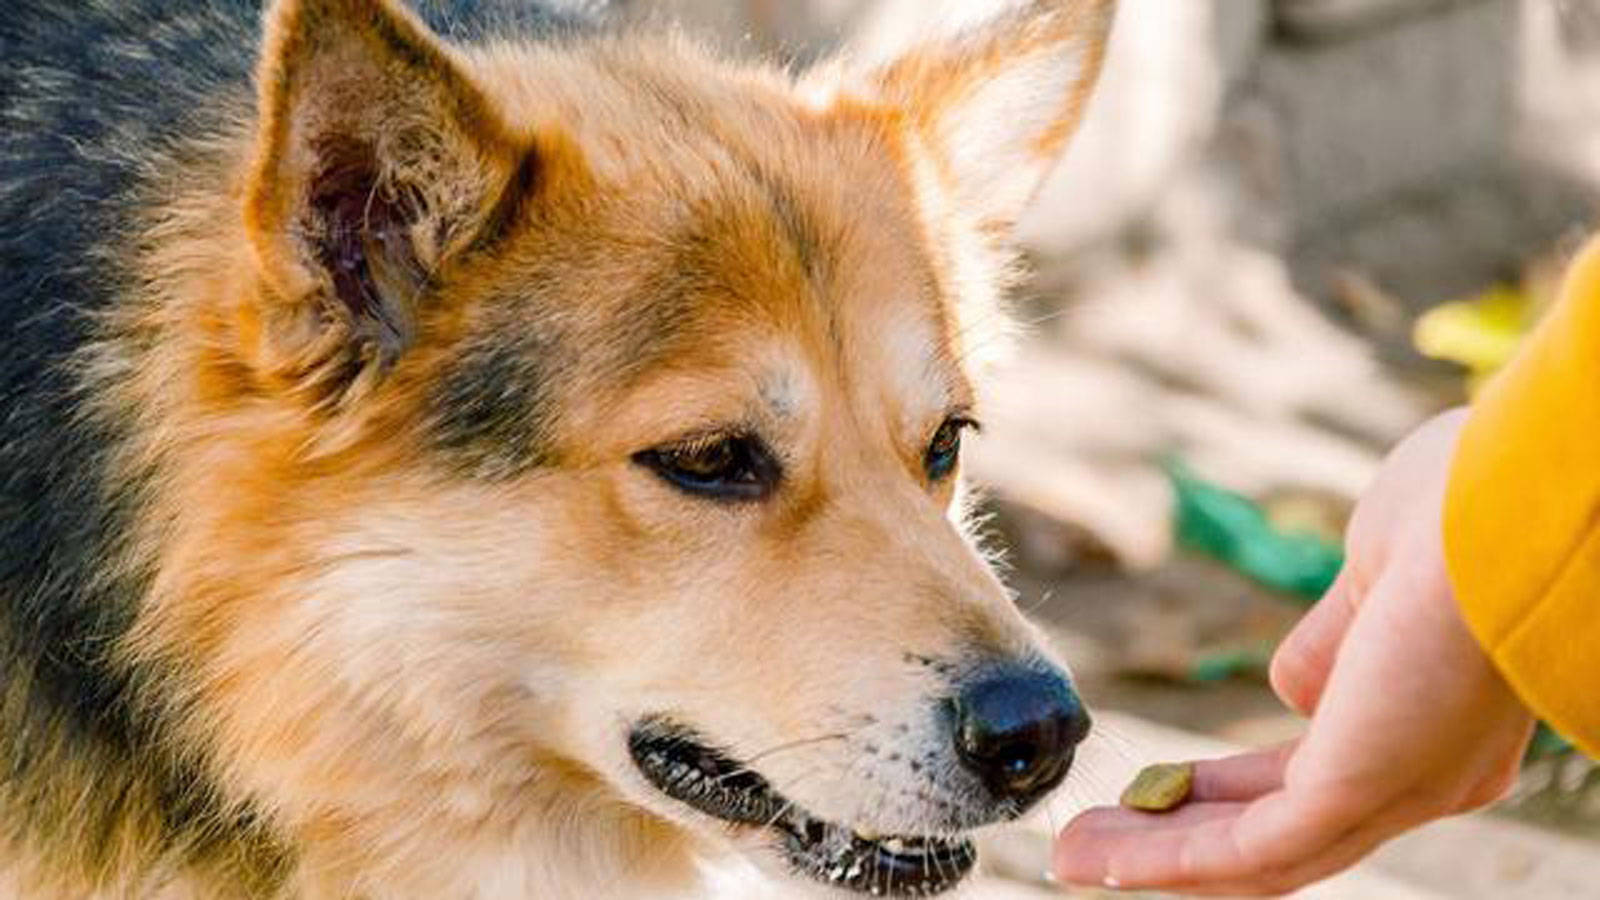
[1160,788]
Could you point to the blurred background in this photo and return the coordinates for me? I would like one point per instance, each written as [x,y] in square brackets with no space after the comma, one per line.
[1288,231]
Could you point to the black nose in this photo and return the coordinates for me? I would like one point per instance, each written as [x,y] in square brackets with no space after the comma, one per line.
[1016,730]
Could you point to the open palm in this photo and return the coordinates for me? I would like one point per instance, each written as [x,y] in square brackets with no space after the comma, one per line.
[1409,721]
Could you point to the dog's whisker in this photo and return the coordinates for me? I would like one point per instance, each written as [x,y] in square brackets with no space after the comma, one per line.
[1008,328]
[1125,747]
[1044,598]
[926,874]
[1001,327]
[938,866]
[789,805]
[1090,785]
[880,788]
[748,766]
[799,744]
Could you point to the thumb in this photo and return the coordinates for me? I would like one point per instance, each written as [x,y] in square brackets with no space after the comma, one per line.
[1301,665]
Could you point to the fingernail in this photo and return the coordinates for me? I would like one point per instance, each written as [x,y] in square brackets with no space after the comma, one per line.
[1110,881]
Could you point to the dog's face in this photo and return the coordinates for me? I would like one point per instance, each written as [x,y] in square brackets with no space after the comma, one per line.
[615,399]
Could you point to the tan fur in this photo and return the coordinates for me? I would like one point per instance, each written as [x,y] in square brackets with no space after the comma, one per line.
[424,679]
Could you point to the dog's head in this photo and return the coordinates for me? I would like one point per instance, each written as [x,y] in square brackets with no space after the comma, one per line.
[594,414]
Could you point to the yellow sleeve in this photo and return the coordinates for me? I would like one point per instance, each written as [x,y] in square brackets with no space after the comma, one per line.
[1522,515]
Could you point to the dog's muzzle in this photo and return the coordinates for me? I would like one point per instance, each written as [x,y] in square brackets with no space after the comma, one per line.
[1013,731]
[684,768]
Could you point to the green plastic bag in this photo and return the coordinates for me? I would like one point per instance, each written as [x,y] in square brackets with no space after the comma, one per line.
[1235,530]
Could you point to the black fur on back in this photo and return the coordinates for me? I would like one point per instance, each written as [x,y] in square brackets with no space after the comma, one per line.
[95,95]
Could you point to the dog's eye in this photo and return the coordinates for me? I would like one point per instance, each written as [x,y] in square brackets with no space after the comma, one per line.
[945,448]
[735,467]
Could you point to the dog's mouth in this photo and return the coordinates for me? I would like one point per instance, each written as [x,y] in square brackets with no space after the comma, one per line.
[685,769]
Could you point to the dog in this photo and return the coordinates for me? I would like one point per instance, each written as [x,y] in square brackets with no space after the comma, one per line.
[461,451]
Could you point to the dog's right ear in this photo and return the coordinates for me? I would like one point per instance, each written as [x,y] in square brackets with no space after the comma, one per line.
[989,91]
[378,161]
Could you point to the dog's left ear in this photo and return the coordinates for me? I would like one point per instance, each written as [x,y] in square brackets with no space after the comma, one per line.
[991,91]
[378,161]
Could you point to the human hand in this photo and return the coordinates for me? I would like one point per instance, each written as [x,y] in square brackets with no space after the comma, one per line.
[1410,721]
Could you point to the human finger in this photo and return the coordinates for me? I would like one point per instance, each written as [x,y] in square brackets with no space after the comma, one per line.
[1304,660]
[1242,777]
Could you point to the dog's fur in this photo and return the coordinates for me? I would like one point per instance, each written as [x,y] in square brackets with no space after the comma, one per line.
[327,564]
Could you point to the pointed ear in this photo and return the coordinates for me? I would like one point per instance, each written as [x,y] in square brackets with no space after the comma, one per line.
[377,161]
[992,91]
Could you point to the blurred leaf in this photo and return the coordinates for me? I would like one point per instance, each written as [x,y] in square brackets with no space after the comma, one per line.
[1481,334]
